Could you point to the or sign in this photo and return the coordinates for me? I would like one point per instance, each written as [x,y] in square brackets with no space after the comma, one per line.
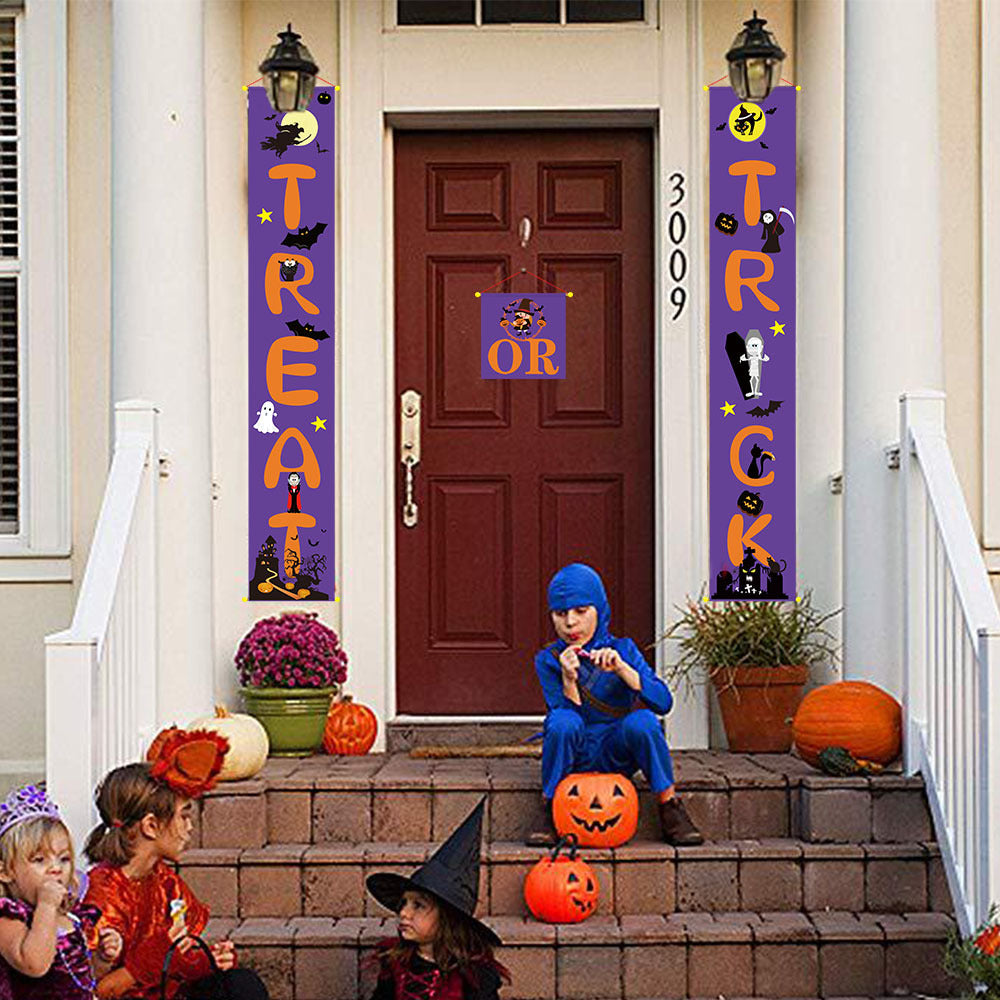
[291,350]
[752,346]
[522,336]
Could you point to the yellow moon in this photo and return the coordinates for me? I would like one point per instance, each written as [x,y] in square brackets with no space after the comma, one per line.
[308,122]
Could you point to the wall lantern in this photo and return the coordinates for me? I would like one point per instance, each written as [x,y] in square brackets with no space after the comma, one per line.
[289,73]
[754,61]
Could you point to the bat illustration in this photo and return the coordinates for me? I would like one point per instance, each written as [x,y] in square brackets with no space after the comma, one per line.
[719,128]
[295,538]
[760,411]
[323,530]
[312,543]
[268,118]
[304,238]
[770,111]
[306,330]
[320,149]
[764,145]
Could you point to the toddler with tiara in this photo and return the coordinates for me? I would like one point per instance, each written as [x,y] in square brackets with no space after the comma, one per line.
[46,933]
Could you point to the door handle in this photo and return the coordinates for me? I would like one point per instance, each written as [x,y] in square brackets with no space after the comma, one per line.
[409,449]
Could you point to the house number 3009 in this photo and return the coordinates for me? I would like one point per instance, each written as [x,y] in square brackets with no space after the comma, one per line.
[677,263]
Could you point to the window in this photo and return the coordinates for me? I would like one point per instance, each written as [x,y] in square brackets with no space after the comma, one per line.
[480,12]
[34,392]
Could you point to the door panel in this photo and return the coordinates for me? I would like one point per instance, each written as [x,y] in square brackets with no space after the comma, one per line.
[518,477]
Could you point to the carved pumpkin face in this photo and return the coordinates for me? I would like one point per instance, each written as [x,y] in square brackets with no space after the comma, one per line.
[726,223]
[750,502]
[561,889]
[601,809]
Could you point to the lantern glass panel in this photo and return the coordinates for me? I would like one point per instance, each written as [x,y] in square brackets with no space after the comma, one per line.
[285,88]
[306,84]
[758,73]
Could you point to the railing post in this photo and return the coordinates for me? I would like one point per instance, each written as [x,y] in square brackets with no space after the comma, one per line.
[988,834]
[138,416]
[923,411]
[70,737]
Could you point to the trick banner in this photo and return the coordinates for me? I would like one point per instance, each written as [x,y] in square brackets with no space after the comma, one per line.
[291,350]
[751,345]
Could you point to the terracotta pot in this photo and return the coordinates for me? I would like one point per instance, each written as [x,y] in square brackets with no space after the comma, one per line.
[757,706]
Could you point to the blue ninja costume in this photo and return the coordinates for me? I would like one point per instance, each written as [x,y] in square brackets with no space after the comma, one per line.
[614,729]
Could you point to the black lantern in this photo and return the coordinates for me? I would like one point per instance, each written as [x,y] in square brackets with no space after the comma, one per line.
[754,61]
[290,73]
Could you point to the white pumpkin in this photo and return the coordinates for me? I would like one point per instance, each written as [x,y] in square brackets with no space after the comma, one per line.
[248,742]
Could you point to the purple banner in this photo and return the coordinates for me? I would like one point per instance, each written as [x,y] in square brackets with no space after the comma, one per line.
[751,346]
[522,336]
[291,374]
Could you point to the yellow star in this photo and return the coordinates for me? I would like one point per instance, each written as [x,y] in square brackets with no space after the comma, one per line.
[778,328]
[728,409]
[320,423]
[264,215]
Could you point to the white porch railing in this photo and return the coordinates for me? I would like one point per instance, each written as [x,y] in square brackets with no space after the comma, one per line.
[100,674]
[951,648]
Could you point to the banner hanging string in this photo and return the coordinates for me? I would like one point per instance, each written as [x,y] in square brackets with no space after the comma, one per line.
[524,270]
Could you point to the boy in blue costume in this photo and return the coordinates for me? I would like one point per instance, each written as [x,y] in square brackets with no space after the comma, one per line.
[603,702]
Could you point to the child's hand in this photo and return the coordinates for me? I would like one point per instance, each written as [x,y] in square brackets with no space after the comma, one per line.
[109,945]
[569,661]
[224,953]
[607,659]
[178,932]
[51,893]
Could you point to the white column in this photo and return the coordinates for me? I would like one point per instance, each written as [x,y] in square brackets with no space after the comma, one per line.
[892,303]
[160,348]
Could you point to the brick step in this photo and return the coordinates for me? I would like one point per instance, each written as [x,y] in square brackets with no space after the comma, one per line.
[393,798]
[643,877]
[403,736]
[826,954]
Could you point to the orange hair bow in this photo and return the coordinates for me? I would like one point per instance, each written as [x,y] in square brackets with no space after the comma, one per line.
[188,762]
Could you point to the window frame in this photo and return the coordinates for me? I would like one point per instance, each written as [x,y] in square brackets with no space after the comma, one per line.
[649,20]
[40,550]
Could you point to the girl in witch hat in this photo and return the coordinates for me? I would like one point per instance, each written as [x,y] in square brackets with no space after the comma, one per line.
[442,952]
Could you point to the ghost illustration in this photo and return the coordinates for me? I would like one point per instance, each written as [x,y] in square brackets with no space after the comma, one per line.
[265,419]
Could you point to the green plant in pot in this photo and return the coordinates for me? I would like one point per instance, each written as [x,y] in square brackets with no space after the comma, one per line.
[758,655]
[291,667]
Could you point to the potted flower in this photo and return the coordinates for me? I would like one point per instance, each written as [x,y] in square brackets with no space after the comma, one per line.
[975,961]
[758,655]
[290,668]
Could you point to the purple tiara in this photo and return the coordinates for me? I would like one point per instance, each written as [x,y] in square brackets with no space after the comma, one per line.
[22,804]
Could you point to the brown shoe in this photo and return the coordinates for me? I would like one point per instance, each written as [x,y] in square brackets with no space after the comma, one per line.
[543,834]
[677,826]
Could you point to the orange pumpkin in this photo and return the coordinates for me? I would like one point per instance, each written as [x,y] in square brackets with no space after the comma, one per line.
[601,809]
[856,715]
[350,728]
[561,889]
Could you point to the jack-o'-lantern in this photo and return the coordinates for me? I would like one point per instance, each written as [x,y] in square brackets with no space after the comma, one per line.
[726,223]
[351,728]
[561,889]
[751,503]
[601,809]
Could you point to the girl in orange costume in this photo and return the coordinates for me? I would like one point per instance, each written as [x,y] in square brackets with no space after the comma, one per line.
[145,812]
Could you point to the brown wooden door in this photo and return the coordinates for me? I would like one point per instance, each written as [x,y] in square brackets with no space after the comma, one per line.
[518,477]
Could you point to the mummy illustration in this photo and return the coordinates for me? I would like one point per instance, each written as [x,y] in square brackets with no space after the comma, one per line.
[754,357]
[265,419]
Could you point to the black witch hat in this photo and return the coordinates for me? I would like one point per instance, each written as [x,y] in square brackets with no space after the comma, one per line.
[450,874]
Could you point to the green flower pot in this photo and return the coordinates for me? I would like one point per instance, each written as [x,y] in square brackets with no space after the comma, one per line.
[293,717]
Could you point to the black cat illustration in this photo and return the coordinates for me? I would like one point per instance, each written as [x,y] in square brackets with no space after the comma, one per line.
[755,470]
[775,578]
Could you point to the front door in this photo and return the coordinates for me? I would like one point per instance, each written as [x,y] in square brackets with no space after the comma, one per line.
[518,477]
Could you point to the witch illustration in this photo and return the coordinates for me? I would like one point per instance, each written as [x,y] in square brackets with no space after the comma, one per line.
[770,232]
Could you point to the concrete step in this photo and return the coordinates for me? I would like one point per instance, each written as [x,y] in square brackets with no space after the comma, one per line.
[643,877]
[826,954]
[393,798]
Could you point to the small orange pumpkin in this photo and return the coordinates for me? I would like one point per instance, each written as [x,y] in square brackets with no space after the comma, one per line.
[350,728]
[856,715]
[601,809]
[561,889]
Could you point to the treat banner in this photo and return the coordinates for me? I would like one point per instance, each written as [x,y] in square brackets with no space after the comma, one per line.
[751,345]
[290,209]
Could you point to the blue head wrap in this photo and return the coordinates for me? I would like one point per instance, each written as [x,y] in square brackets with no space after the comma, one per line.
[577,585]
